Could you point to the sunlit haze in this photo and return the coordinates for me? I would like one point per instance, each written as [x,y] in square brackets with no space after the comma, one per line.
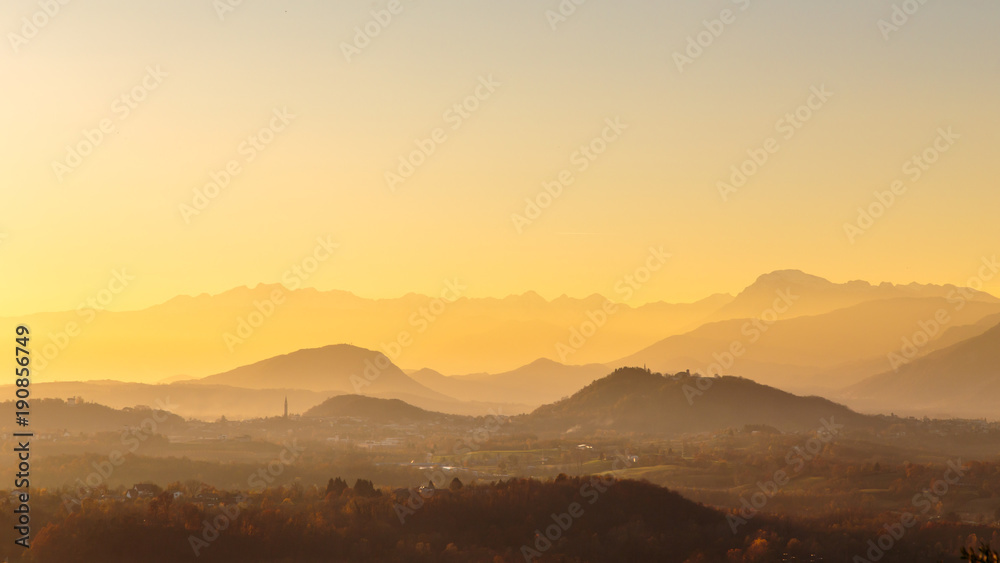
[353,113]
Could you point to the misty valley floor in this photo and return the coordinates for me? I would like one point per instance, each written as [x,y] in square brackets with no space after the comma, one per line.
[362,478]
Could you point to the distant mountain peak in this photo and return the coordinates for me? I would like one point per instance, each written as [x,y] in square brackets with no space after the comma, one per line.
[794,293]
[543,362]
[593,300]
[795,277]
[334,367]
[527,298]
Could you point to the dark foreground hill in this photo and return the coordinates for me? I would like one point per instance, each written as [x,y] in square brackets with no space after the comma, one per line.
[633,400]
[572,520]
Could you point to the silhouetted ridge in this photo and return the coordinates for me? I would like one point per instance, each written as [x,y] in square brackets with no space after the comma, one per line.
[635,400]
[963,378]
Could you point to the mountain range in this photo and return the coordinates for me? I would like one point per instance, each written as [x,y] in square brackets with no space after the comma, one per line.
[788,329]
[816,352]
[210,334]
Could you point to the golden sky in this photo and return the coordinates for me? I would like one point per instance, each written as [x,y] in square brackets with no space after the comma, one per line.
[184,92]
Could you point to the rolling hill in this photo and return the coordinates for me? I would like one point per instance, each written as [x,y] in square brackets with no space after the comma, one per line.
[956,334]
[340,367]
[812,353]
[305,377]
[633,400]
[961,380]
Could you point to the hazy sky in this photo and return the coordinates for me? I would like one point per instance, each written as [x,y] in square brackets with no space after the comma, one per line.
[212,82]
